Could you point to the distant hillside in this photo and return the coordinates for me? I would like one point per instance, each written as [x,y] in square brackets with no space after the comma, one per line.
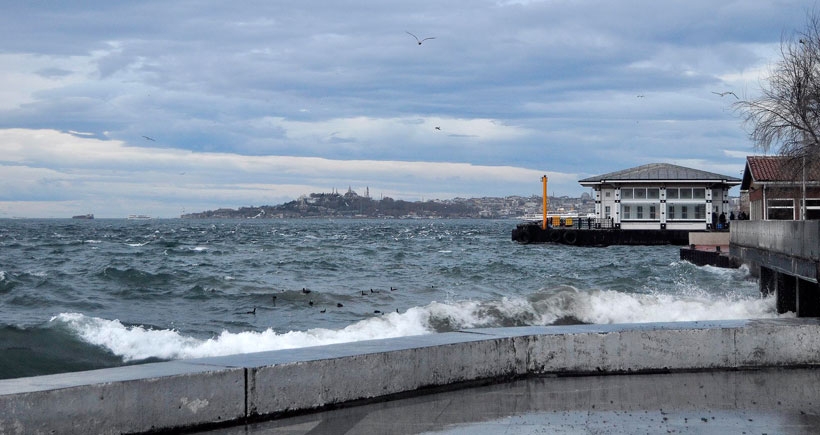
[348,205]
[351,205]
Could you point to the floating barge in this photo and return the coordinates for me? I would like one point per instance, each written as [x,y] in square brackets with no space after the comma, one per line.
[709,249]
[596,235]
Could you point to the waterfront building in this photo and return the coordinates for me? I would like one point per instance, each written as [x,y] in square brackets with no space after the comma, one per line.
[775,187]
[661,196]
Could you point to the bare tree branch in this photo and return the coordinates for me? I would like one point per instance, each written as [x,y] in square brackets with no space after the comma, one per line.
[787,114]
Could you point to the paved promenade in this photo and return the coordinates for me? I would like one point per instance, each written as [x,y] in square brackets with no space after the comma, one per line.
[771,401]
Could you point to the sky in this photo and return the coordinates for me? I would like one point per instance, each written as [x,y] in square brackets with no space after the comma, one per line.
[169,107]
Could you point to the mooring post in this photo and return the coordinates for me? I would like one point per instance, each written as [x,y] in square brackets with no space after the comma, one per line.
[786,292]
[767,281]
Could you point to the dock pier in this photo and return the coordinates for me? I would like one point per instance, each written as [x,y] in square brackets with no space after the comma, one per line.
[711,248]
[785,256]
[595,232]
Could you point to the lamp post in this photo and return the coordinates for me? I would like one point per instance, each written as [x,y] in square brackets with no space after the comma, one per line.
[544,199]
[803,204]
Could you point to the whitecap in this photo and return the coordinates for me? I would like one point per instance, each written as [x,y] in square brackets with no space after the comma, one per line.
[598,307]
[133,343]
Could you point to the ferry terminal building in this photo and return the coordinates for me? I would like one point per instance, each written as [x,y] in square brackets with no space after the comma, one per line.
[661,196]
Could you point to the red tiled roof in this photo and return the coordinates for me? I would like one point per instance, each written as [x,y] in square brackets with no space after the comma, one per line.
[776,168]
[766,168]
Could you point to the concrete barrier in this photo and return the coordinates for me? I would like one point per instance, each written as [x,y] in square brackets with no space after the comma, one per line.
[233,389]
[709,238]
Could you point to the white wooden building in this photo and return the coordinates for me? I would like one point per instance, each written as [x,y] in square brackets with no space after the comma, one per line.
[661,196]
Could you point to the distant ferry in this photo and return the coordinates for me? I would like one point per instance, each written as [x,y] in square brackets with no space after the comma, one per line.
[141,217]
[83,216]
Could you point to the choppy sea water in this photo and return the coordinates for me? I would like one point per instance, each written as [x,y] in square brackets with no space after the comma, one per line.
[78,295]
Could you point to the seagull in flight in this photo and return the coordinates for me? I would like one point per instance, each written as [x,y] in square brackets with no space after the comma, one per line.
[149,138]
[438,128]
[723,94]
[417,38]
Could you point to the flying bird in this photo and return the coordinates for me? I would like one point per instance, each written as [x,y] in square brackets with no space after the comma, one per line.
[149,138]
[723,94]
[438,128]
[417,38]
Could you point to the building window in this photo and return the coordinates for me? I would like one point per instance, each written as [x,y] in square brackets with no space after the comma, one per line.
[812,209]
[639,211]
[699,193]
[608,194]
[700,212]
[640,193]
[685,193]
[607,212]
[685,211]
[780,209]
[671,193]
[626,193]
[653,193]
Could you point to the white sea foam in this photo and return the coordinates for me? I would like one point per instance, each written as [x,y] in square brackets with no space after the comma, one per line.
[136,342]
[615,307]
[600,307]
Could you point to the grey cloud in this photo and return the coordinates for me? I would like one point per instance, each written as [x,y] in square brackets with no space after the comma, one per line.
[326,78]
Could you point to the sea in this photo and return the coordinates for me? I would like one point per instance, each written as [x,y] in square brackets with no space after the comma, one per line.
[86,294]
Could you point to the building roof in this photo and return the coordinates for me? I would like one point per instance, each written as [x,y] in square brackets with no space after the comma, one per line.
[772,169]
[660,172]
[766,168]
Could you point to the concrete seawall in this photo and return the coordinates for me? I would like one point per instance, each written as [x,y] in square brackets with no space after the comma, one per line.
[200,392]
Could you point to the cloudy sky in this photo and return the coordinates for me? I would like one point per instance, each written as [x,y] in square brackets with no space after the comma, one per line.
[163,107]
